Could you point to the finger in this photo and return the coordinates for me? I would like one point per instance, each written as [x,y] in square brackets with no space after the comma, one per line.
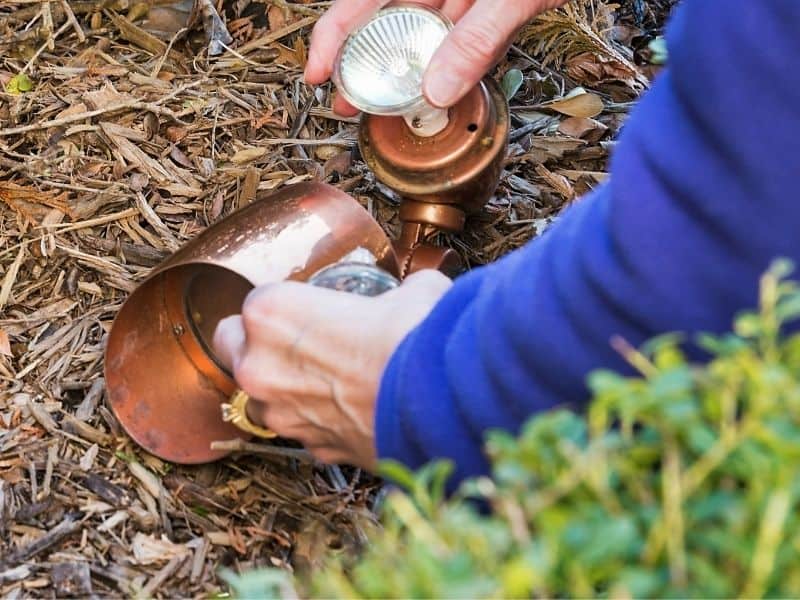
[344,17]
[257,411]
[429,279]
[229,341]
[474,45]
[343,107]
[455,9]
[331,31]
[333,455]
[328,455]
[288,302]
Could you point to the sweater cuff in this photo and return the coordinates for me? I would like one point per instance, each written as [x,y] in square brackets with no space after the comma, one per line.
[417,417]
[390,440]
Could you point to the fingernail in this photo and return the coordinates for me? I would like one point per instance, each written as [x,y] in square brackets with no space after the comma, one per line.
[443,87]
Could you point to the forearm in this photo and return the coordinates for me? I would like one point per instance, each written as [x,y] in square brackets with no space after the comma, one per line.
[696,209]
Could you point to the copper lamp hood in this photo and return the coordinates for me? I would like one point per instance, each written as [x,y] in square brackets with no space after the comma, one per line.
[164,383]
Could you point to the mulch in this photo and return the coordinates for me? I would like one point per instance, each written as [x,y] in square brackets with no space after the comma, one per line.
[120,139]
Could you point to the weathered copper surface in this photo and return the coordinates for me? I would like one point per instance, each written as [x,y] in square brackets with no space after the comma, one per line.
[441,216]
[428,256]
[459,166]
[164,384]
[441,178]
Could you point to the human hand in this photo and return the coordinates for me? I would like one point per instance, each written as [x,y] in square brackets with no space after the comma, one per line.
[484,30]
[312,359]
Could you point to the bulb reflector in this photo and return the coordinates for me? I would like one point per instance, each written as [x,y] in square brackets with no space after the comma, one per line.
[380,67]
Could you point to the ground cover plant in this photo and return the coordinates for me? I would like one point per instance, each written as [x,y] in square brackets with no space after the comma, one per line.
[679,482]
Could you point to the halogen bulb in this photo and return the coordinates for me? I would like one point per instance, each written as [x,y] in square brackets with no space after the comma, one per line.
[356,273]
[380,67]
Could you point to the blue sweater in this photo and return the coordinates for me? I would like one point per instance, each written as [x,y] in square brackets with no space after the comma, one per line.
[701,199]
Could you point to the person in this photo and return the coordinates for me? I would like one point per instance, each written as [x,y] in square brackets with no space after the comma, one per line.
[701,199]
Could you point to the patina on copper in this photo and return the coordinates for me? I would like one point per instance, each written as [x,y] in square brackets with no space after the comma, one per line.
[164,383]
[442,178]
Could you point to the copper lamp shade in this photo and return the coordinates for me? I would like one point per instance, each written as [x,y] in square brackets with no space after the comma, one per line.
[164,383]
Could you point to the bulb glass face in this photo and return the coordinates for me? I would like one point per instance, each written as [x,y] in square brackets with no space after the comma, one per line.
[379,69]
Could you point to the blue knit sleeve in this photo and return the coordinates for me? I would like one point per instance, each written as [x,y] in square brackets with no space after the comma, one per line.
[701,199]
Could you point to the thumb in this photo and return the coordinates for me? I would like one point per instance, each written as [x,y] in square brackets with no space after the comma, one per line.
[479,39]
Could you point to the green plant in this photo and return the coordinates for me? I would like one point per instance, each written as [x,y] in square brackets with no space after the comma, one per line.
[681,482]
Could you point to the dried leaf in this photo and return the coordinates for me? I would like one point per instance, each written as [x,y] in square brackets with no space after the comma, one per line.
[277,18]
[5,343]
[594,70]
[252,178]
[147,549]
[583,128]
[248,155]
[106,95]
[87,460]
[32,203]
[11,277]
[340,163]
[578,103]
[558,182]
[74,109]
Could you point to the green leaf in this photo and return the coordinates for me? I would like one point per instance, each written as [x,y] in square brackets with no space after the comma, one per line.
[512,81]
[749,325]
[398,473]
[254,585]
[658,51]
[19,84]
[781,267]
[788,309]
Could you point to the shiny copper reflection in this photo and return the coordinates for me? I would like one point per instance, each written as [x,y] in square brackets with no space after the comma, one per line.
[164,384]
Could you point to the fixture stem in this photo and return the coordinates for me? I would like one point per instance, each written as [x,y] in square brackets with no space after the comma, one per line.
[427,121]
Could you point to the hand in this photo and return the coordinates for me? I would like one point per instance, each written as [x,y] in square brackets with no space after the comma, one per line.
[483,33]
[312,359]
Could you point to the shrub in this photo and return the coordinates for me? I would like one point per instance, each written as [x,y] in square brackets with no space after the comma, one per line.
[681,482]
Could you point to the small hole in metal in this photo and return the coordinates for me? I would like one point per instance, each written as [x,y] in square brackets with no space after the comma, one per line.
[472,127]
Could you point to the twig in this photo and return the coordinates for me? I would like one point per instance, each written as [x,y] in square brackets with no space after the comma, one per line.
[165,55]
[297,8]
[43,47]
[127,104]
[67,527]
[331,141]
[47,22]
[276,35]
[62,227]
[239,445]
[73,21]
[244,59]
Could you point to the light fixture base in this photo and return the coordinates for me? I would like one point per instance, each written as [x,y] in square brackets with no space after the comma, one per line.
[459,166]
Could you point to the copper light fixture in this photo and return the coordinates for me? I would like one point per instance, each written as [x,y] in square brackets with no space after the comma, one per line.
[442,178]
[444,163]
[164,383]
